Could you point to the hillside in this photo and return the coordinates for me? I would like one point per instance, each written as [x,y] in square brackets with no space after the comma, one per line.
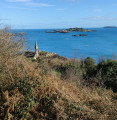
[53,87]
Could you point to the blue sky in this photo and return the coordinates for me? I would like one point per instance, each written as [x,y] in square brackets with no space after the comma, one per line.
[39,14]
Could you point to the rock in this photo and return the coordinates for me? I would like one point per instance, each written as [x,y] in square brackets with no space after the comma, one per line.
[79,35]
[51,32]
[58,31]
[64,31]
[75,35]
[61,31]
[82,35]
[79,30]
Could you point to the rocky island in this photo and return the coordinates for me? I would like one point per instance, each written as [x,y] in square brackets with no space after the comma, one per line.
[79,35]
[79,30]
[71,30]
[58,31]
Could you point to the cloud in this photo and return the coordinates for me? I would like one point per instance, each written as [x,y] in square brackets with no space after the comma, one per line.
[100,18]
[39,4]
[21,8]
[31,3]
[18,0]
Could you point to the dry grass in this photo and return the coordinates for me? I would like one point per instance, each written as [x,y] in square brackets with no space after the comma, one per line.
[33,91]
[10,48]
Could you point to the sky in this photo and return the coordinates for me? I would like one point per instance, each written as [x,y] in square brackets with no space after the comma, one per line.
[41,14]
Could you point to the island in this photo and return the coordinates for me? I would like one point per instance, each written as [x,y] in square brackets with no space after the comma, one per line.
[58,31]
[110,27]
[79,30]
[71,30]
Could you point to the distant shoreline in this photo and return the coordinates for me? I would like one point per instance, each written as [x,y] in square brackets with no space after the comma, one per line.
[53,28]
[109,27]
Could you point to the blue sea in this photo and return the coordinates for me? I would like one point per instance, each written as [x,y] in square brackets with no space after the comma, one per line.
[95,44]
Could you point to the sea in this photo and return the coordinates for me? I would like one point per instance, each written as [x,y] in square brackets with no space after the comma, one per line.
[97,44]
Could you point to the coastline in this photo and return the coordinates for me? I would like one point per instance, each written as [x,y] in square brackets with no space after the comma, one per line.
[94,45]
[54,87]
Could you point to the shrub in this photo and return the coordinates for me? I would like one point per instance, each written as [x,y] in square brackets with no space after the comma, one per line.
[69,70]
[105,72]
[90,67]
[11,47]
[108,70]
[43,53]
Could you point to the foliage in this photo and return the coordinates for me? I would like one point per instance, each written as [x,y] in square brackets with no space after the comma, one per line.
[90,67]
[105,72]
[43,53]
[53,87]
[108,70]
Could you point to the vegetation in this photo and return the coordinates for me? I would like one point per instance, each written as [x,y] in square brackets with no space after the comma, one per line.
[54,87]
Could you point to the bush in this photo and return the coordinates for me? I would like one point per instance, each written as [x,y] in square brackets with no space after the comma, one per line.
[108,70]
[105,72]
[43,53]
[11,47]
[69,70]
[90,67]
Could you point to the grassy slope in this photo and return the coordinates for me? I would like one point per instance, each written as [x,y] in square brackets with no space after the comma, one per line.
[50,88]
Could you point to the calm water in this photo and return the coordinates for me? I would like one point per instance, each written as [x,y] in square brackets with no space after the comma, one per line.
[95,44]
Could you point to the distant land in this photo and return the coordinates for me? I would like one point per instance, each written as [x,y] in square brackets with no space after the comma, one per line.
[71,30]
[110,27]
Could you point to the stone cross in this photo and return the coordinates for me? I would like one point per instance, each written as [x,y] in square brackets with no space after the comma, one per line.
[36,51]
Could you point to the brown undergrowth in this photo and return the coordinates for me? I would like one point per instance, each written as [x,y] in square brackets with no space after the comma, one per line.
[48,88]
